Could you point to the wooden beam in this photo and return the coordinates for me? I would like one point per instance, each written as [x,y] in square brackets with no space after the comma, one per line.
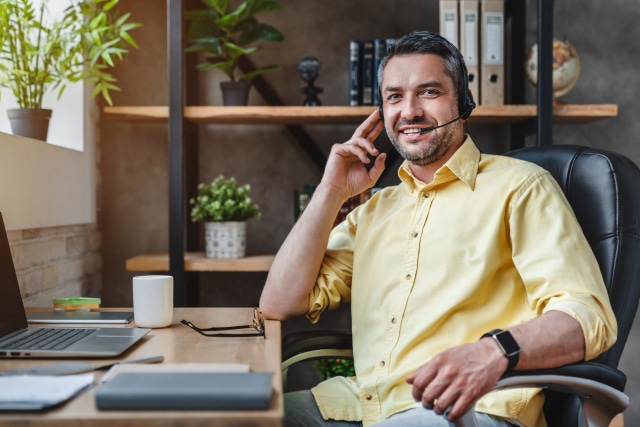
[269,94]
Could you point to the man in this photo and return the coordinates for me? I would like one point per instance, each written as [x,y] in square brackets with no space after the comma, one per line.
[468,243]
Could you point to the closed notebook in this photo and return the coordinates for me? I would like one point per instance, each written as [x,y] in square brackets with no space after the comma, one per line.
[186,390]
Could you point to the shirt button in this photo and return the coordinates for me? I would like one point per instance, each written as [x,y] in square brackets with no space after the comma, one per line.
[368,396]
[394,320]
[382,363]
[415,234]
[408,277]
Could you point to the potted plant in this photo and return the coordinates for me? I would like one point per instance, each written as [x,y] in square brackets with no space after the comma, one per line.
[39,53]
[328,368]
[225,35]
[224,207]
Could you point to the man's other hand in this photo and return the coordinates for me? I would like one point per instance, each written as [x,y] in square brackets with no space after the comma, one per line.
[458,377]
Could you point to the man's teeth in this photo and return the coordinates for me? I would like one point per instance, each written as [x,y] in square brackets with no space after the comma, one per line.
[409,131]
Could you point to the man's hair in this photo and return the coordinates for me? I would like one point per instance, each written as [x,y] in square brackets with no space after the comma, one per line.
[423,42]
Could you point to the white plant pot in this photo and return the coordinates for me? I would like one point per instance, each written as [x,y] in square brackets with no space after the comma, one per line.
[225,239]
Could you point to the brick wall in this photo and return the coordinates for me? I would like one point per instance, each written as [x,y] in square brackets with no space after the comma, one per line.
[57,262]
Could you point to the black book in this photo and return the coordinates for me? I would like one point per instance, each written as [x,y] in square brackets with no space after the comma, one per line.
[379,50]
[354,72]
[302,198]
[367,72]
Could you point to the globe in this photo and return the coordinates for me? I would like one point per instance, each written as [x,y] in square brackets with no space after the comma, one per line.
[566,67]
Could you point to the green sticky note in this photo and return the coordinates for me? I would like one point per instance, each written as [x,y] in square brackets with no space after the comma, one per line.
[76,301]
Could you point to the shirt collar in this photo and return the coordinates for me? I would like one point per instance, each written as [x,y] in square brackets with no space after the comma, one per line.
[463,165]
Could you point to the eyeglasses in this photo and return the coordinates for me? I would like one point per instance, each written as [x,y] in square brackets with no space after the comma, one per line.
[257,325]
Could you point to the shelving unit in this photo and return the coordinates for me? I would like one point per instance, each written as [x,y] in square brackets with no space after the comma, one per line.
[179,119]
[196,261]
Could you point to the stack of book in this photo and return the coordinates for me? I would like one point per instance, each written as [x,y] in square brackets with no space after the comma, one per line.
[351,204]
[476,28]
[364,59]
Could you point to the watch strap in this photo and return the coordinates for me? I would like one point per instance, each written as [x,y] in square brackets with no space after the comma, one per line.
[507,344]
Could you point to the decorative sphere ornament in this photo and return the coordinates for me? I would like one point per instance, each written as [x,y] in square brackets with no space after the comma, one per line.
[566,67]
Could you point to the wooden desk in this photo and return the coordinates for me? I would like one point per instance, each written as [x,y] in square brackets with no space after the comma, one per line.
[178,344]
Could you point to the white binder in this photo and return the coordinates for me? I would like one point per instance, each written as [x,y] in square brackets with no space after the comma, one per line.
[470,44]
[492,50]
[449,22]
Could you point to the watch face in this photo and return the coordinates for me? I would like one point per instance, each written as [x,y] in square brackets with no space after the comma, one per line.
[509,345]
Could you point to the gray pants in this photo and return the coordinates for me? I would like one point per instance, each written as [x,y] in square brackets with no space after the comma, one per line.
[300,410]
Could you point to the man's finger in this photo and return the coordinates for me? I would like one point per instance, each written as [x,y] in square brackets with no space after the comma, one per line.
[457,410]
[354,148]
[370,128]
[421,379]
[378,167]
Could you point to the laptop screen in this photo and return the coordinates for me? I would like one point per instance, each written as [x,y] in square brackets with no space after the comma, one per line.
[12,315]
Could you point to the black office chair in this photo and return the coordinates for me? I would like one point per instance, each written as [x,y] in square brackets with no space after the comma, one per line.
[604,190]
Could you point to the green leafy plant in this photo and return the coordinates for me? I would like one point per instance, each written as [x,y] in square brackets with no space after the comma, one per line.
[38,53]
[223,200]
[328,368]
[224,35]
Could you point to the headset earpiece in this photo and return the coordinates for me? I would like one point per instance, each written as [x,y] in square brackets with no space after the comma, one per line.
[470,106]
[466,103]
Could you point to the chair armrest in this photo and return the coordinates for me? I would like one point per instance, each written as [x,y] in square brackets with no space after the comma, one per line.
[599,386]
[306,341]
[595,371]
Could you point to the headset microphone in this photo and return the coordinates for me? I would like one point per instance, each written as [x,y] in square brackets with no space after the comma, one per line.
[432,128]
[461,116]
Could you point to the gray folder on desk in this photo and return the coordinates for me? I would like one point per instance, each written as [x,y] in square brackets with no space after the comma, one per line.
[186,390]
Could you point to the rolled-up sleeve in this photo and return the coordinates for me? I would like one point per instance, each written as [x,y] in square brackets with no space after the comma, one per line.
[333,285]
[598,325]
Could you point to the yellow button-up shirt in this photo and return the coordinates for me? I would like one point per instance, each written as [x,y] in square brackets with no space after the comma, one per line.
[490,243]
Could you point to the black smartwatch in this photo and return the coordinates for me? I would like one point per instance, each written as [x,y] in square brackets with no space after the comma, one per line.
[507,344]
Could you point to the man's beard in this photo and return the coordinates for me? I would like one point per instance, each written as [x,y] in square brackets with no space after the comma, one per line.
[430,153]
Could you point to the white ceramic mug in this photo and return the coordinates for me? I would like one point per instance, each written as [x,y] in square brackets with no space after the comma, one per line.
[153,301]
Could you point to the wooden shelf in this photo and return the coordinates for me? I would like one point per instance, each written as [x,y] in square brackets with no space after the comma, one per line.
[196,261]
[260,115]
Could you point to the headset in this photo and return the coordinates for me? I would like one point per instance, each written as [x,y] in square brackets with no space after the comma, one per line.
[466,103]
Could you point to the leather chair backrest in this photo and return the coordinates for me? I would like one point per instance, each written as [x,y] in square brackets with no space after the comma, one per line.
[603,189]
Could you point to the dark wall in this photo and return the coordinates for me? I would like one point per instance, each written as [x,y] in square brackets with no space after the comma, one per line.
[133,159]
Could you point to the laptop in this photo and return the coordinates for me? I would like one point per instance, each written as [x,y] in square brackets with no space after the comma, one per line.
[18,340]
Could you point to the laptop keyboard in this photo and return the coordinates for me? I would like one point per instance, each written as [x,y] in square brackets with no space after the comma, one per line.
[47,339]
